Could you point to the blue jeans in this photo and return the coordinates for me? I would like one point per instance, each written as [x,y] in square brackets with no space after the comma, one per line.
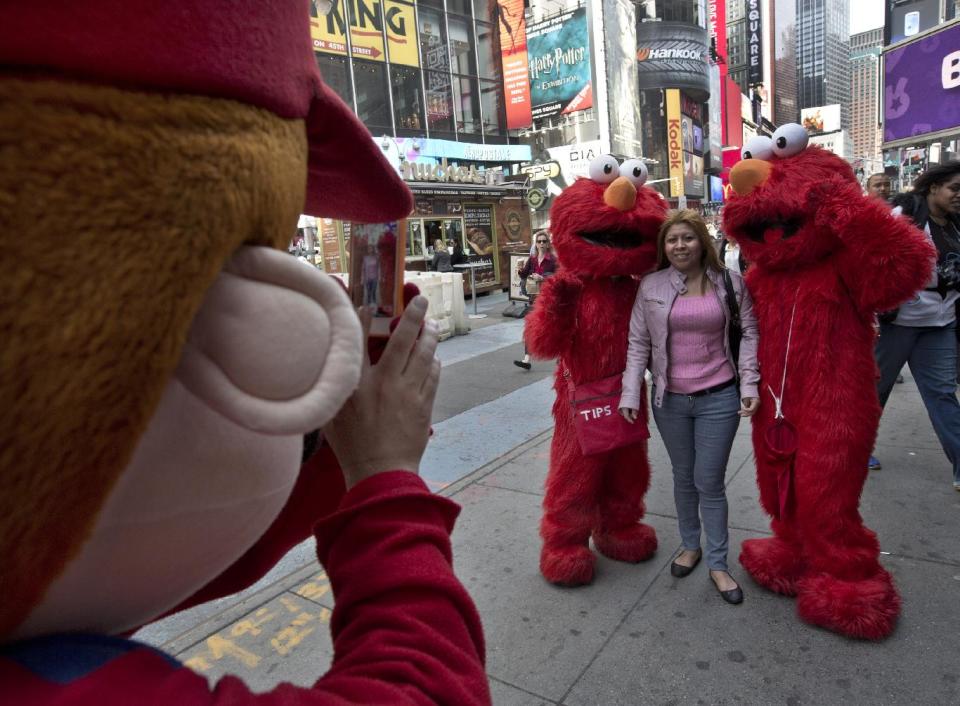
[698,433]
[931,352]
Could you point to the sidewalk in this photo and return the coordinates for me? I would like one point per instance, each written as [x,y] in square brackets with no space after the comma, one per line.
[637,635]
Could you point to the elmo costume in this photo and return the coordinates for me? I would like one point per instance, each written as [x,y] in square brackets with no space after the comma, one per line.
[604,232]
[161,359]
[824,258]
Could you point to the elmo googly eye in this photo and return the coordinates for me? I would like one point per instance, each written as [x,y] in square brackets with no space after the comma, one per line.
[789,139]
[604,169]
[635,171]
[758,147]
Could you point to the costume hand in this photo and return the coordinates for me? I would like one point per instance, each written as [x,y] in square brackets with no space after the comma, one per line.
[629,414]
[385,425]
[749,406]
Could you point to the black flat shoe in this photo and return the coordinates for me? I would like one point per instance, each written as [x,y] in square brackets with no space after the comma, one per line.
[522,364]
[734,596]
[679,570]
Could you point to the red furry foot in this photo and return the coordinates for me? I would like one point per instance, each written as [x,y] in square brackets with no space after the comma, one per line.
[632,543]
[773,564]
[567,566]
[865,609]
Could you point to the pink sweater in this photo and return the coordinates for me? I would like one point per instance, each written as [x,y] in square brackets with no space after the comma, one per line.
[696,353]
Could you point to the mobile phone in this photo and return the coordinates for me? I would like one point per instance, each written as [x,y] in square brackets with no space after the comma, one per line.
[376,270]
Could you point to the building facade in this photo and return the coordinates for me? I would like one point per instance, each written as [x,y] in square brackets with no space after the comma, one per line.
[823,56]
[865,50]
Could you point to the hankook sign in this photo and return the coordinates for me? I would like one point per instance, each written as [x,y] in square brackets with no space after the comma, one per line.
[673,55]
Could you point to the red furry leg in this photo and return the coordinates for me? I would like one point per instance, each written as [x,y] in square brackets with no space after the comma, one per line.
[774,562]
[618,533]
[569,509]
[866,608]
[844,588]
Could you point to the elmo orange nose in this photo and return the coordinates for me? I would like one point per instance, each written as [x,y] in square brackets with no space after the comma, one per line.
[748,174]
[621,194]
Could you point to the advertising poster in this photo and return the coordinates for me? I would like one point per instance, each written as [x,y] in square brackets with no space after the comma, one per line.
[674,142]
[481,245]
[513,58]
[824,118]
[622,95]
[673,55]
[366,30]
[516,262]
[330,245]
[558,52]
[921,86]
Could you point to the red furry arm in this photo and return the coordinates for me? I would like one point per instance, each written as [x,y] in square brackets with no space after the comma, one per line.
[549,325]
[885,259]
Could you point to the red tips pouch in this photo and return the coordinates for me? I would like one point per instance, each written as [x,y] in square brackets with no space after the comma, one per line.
[600,427]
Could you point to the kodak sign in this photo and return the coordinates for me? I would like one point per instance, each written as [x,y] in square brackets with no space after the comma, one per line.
[674,142]
[367,21]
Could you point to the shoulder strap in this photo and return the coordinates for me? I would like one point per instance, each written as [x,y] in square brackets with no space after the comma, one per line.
[732,302]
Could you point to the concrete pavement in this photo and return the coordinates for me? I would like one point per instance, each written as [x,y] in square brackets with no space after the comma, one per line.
[637,635]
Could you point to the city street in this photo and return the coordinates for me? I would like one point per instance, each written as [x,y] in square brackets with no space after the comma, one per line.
[636,635]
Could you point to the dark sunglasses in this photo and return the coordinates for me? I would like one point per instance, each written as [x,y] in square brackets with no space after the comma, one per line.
[542,242]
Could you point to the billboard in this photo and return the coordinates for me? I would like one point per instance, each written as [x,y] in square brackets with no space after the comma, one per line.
[754,43]
[673,55]
[329,32]
[824,118]
[622,97]
[513,59]
[905,18]
[921,85]
[674,142]
[558,53]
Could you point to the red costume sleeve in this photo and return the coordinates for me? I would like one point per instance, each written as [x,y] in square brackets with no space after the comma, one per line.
[885,259]
[404,628]
[548,326]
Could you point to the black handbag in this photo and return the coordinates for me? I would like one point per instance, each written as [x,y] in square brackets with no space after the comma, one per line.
[736,330]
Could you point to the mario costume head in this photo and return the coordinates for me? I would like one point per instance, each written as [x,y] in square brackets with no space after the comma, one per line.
[824,259]
[162,357]
[604,230]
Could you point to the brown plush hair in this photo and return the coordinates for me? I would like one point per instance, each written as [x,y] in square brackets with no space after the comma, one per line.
[691,218]
[117,211]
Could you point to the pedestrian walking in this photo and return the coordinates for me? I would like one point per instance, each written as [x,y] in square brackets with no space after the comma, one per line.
[923,332]
[441,261]
[683,328]
[534,271]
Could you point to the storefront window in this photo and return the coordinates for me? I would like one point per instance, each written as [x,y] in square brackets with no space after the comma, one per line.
[414,239]
[489,66]
[491,96]
[461,7]
[439,101]
[407,99]
[433,40]
[373,108]
[461,46]
[483,9]
[336,74]
[467,105]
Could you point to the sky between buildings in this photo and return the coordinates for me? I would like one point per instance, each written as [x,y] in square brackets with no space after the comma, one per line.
[865,14]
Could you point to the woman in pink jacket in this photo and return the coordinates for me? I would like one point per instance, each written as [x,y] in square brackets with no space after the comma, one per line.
[680,330]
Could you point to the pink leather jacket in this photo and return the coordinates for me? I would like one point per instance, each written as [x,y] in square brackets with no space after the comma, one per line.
[649,331]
